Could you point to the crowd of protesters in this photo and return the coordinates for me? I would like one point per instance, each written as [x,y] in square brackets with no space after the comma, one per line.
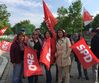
[61,54]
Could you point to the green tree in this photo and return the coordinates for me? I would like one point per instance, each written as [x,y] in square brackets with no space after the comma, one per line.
[4,18]
[29,28]
[70,19]
[95,22]
[43,27]
[62,16]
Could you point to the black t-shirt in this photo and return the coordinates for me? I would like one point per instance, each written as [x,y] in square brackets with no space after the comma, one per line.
[37,46]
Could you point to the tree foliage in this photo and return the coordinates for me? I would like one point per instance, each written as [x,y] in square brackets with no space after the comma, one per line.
[4,18]
[43,27]
[70,19]
[95,22]
[29,28]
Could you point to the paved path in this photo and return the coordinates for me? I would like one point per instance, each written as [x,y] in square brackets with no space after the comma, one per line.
[3,62]
[1,59]
[8,75]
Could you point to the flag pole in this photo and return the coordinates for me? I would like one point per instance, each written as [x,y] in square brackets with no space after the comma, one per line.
[96,74]
[82,23]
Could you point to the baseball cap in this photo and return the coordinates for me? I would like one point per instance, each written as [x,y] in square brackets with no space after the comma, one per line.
[22,30]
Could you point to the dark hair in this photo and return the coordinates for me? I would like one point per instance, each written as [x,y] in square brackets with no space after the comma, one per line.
[60,29]
[20,33]
[68,35]
[48,32]
[97,30]
[94,30]
[34,32]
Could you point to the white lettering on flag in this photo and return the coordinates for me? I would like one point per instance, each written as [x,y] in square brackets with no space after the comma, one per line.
[30,62]
[48,55]
[85,52]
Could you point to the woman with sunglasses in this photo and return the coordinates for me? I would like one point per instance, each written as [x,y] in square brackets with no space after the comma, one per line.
[35,43]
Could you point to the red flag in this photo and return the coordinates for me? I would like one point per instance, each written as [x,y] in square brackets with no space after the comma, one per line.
[50,20]
[3,30]
[5,46]
[84,54]
[87,18]
[31,64]
[45,56]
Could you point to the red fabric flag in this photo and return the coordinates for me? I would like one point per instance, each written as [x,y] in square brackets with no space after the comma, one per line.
[5,46]
[87,18]
[31,64]
[3,30]
[84,54]
[50,20]
[45,56]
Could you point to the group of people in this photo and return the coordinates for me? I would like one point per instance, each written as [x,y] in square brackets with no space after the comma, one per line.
[61,54]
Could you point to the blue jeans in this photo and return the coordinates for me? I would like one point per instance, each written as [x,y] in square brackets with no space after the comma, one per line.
[33,79]
[17,73]
[48,76]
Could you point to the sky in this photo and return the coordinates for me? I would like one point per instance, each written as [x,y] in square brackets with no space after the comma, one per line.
[33,10]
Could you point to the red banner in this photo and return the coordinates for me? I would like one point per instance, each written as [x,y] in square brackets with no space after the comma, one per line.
[3,30]
[31,64]
[84,54]
[50,20]
[45,56]
[5,46]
